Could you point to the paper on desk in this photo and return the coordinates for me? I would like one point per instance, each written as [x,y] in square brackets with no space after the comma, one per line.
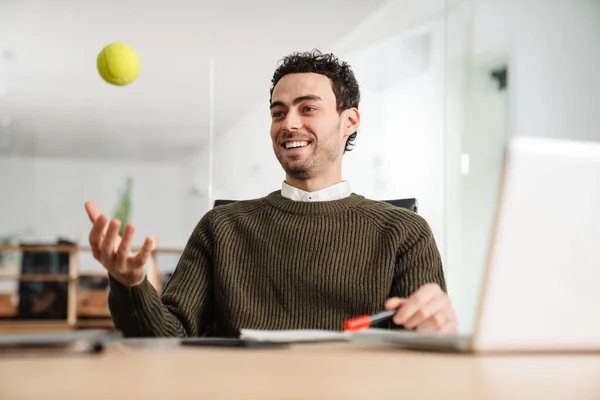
[295,335]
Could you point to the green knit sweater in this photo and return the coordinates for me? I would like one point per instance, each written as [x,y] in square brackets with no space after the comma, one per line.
[274,263]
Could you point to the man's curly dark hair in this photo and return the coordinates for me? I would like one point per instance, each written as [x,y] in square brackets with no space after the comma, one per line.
[344,84]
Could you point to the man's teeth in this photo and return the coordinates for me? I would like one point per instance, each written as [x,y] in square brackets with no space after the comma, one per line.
[290,145]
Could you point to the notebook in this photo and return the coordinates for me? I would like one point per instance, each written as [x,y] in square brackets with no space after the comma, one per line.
[295,336]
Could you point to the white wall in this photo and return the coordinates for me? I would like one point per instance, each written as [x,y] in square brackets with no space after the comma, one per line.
[244,162]
[197,199]
[46,198]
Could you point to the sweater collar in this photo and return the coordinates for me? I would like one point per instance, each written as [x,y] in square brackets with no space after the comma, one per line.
[276,200]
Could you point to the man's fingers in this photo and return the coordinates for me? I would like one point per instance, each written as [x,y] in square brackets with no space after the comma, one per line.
[435,323]
[441,322]
[417,300]
[450,327]
[429,311]
[393,303]
[142,256]
[96,235]
[93,211]
[124,246]
[110,241]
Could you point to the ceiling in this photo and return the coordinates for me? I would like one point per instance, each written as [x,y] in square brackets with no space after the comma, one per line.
[54,104]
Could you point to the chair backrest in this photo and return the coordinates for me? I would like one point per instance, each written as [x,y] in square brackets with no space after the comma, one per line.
[222,202]
[411,204]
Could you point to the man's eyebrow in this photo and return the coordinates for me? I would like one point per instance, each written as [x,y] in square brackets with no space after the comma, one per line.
[296,100]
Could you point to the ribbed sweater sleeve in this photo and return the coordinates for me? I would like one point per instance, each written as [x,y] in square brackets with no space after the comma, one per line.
[186,304]
[418,260]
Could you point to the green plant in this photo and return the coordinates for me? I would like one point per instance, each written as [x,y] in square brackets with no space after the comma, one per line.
[122,210]
[6,241]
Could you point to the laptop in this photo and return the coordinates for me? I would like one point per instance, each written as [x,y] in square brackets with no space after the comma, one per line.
[540,290]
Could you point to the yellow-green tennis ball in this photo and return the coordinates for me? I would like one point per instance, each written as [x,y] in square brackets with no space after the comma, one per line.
[118,64]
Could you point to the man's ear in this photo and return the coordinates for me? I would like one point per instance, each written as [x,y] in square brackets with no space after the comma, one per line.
[351,121]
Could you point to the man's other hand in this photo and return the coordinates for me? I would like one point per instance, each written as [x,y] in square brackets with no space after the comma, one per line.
[427,309]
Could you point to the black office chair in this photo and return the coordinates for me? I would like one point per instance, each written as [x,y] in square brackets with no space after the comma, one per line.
[411,204]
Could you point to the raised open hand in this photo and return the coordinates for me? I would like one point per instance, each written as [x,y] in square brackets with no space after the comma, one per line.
[113,251]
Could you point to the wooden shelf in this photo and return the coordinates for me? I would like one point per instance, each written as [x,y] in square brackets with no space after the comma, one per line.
[22,326]
[39,278]
[101,323]
[39,249]
[76,248]
[86,308]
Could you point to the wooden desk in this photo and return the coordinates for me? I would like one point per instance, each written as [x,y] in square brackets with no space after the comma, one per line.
[163,370]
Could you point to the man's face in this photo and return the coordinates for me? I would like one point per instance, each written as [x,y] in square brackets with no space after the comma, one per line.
[306,128]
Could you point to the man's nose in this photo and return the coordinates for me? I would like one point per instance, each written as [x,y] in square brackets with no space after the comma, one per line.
[292,122]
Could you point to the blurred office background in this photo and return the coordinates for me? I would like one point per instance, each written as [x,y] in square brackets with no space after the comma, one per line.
[444,84]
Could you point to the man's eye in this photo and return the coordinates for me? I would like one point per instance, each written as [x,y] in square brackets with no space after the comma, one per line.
[308,109]
[277,114]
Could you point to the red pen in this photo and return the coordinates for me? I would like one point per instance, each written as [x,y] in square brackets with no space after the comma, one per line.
[366,321]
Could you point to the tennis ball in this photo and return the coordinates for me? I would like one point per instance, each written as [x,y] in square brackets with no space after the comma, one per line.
[118,64]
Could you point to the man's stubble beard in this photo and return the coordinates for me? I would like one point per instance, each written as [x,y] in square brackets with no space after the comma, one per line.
[310,169]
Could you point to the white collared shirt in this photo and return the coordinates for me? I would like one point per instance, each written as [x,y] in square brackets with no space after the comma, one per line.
[334,192]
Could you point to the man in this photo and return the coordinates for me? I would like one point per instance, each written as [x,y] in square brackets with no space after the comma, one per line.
[307,257]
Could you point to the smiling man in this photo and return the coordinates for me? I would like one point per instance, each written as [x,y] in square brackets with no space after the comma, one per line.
[309,256]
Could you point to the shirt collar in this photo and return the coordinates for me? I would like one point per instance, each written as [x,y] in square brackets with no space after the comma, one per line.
[334,192]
